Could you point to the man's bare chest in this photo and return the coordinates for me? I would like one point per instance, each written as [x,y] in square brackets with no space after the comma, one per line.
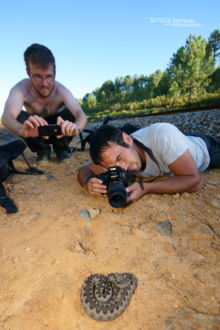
[43,108]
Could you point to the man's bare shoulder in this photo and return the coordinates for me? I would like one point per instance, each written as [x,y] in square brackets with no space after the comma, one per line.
[61,89]
[22,86]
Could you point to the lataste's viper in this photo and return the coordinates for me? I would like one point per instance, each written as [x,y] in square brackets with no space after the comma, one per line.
[106,297]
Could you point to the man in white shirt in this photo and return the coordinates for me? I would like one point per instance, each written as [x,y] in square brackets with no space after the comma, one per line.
[157,150]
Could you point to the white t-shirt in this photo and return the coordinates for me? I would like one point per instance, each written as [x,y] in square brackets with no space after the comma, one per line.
[168,143]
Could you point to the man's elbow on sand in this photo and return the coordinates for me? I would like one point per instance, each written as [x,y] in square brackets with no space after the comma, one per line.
[198,185]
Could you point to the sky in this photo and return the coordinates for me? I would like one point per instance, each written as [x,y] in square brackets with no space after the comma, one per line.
[94,41]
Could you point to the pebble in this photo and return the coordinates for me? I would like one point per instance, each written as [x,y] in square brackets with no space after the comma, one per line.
[50,177]
[84,213]
[176,196]
[175,306]
[215,203]
[206,229]
[88,231]
[181,218]
[201,231]
[164,228]
[57,262]
[213,183]
[206,121]
[185,195]
[126,228]
[93,212]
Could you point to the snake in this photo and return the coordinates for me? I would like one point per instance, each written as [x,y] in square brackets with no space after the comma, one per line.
[105,297]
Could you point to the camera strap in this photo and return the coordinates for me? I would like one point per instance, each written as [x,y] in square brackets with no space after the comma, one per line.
[149,152]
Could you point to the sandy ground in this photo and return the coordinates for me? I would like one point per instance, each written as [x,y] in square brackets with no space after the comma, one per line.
[47,249]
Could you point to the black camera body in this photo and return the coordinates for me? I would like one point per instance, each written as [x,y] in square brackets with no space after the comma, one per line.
[116,179]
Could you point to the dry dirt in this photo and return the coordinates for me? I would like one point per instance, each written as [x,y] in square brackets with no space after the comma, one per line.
[47,249]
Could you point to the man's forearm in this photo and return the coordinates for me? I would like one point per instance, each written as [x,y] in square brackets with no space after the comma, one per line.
[81,120]
[174,185]
[12,124]
[84,174]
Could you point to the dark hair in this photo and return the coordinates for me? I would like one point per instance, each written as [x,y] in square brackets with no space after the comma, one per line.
[39,54]
[100,139]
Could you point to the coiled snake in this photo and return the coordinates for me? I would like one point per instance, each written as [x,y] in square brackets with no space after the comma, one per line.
[106,297]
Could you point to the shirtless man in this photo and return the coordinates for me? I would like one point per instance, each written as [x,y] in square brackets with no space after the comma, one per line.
[46,102]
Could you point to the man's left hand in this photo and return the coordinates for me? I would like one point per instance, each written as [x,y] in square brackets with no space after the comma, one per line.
[134,192]
[68,128]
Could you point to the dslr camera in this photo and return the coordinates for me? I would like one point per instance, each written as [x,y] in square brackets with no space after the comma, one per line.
[116,179]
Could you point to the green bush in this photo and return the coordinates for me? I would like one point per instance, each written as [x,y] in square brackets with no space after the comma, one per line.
[153,105]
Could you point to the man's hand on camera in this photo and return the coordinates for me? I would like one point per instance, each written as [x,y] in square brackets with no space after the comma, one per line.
[134,192]
[30,126]
[68,128]
[95,186]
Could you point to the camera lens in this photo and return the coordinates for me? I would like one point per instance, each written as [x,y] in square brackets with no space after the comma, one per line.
[117,194]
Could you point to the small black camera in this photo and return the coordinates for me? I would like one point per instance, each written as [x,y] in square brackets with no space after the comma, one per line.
[116,179]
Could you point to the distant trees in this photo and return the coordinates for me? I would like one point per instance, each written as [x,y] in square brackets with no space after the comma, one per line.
[215,81]
[191,73]
[152,84]
[214,44]
[164,84]
[191,68]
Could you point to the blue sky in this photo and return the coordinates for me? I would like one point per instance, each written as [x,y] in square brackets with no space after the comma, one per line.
[94,41]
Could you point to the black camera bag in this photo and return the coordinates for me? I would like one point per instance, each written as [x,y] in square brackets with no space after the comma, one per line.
[11,146]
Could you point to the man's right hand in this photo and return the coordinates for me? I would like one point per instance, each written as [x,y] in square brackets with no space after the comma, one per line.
[30,126]
[95,186]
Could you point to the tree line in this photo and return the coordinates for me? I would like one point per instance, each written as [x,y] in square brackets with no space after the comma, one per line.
[192,75]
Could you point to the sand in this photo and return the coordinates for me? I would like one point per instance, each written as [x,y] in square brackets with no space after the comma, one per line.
[47,250]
